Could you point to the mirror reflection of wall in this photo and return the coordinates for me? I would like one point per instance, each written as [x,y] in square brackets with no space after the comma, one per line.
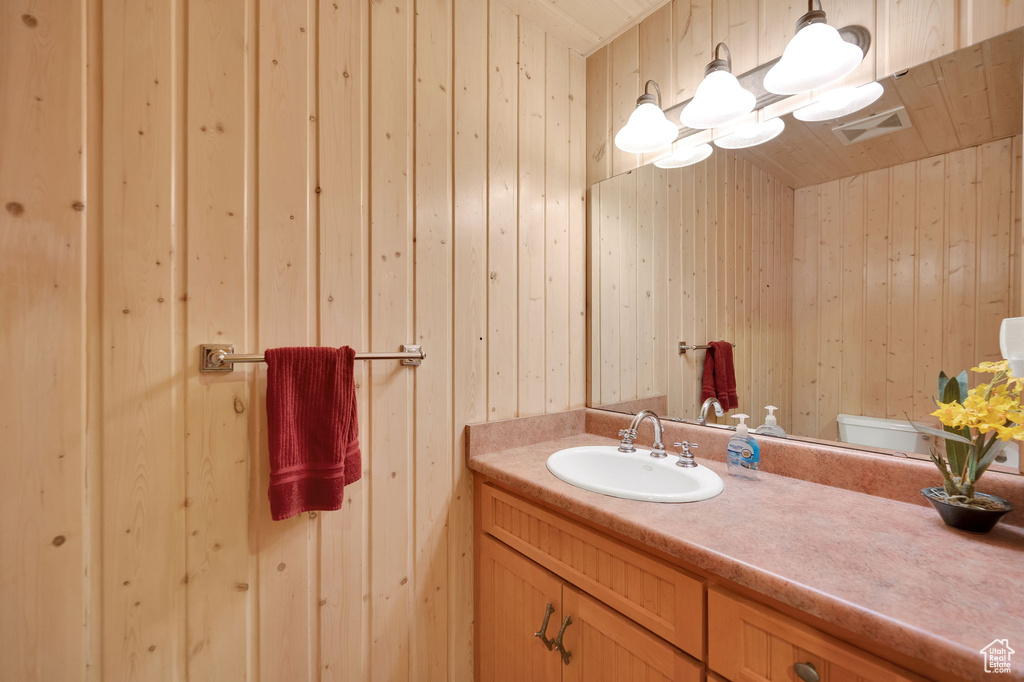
[848,269]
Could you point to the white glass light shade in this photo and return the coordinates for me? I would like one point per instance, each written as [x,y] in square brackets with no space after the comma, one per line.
[839,103]
[719,100]
[752,134]
[647,130]
[684,156]
[816,56]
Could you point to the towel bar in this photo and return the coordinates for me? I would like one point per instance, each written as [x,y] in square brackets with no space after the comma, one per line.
[683,347]
[214,357]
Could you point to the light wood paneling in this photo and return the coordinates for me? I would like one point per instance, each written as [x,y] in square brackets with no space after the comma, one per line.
[905,33]
[376,203]
[694,254]
[45,562]
[892,286]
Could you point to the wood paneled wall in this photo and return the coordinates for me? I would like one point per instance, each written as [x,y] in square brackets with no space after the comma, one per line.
[674,44]
[265,174]
[691,254]
[898,274]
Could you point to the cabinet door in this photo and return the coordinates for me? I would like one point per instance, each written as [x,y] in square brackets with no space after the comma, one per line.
[514,594]
[604,646]
[749,642]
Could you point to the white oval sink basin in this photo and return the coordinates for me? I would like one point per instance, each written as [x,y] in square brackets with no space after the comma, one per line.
[633,476]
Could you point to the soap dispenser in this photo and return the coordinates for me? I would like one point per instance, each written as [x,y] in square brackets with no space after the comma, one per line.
[743,453]
[771,424]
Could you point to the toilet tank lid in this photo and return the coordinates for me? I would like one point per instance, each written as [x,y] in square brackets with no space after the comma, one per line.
[874,422]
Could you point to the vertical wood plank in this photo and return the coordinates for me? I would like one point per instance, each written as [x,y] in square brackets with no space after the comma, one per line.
[287,629]
[806,203]
[609,287]
[578,112]
[902,339]
[143,451]
[876,291]
[392,469]
[502,207]
[735,22]
[624,70]
[995,219]
[595,329]
[218,225]
[432,453]
[469,379]
[691,26]
[628,295]
[531,237]
[854,320]
[557,203]
[646,320]
[915,32]
[45,565]
[656,63]
[599,139]
[931,272]
[684,371]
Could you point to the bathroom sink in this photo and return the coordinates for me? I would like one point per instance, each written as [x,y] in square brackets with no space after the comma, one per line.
[634,475]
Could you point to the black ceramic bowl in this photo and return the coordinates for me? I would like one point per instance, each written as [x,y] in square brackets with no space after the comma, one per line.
[966,518]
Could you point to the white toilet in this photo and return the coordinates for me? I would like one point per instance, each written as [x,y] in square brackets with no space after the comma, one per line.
[899,435]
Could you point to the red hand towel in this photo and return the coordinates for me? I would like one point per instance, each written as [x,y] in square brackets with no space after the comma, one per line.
[707,383]
[719,380]
[723,359]
[313,429]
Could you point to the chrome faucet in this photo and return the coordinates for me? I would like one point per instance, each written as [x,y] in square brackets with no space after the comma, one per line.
[685,456]
[629,435]
[703,418]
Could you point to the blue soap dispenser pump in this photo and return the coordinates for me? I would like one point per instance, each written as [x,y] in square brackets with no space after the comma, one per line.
[743,454]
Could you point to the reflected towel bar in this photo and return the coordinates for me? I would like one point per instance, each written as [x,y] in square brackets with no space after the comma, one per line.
[683,347]
[222,358]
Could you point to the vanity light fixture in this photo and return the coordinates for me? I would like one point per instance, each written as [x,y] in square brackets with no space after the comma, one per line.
[683,154]
[816,56]
[719,99]
[647,129]
[752,134]
[841,102]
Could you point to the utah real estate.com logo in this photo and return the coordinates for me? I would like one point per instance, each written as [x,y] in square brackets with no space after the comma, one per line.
[997,656]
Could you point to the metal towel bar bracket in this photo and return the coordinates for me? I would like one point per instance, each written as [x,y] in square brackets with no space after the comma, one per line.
[683,347]
[218,357]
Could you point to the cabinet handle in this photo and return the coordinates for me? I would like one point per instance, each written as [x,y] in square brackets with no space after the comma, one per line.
[558,640]
[542,633]
[806,672]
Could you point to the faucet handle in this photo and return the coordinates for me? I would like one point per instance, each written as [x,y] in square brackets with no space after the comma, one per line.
[627,433]
[627,436]
[686,457]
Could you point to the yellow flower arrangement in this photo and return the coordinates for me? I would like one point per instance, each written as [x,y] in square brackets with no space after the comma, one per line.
[977,425]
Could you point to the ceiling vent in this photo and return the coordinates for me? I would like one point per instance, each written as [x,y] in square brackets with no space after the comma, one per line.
[873,126]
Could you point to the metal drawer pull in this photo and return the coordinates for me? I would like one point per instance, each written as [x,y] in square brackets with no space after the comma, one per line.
[543,632]
[806,672]
[558,640]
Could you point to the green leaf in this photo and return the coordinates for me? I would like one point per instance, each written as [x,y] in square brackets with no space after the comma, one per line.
[943,380]
[951,392]
[961,379]
[948,435]
[990,456]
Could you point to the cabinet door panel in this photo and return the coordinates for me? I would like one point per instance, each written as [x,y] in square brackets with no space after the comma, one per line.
[514,592]
[748,642]
[605,646]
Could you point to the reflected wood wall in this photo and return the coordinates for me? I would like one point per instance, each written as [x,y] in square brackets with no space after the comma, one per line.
[691,254]
[898,274]
[269,173]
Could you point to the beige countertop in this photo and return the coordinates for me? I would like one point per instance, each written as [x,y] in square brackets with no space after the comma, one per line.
[882,569]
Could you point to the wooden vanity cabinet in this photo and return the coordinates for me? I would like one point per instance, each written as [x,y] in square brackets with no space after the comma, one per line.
[601,645]
[633,615]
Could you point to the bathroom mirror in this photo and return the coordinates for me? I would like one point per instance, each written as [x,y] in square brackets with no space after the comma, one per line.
[848,260]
